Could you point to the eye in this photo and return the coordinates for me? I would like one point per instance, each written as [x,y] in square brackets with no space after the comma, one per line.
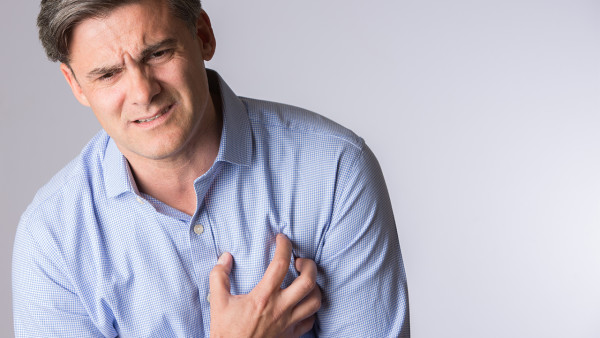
[161,55]
[107,76]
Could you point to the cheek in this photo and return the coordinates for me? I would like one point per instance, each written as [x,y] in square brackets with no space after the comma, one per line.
[107,106]
[182,73]
[171,77]
[108,102]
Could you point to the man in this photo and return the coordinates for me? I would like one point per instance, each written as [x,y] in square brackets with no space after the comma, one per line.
[194,211]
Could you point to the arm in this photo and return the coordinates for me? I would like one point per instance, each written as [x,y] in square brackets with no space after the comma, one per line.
[44,302]
[361,272]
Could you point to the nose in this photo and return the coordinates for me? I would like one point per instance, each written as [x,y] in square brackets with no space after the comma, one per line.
[143,87]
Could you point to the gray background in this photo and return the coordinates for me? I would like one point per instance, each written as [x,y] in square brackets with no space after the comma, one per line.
[483,114]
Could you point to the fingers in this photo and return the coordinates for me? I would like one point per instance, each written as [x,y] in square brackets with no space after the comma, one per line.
[302,285]
[267,308]
[219,279]
[308,306]
[307,267]
[278,267]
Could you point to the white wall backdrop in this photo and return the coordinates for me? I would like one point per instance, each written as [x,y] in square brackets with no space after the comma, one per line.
[485,116]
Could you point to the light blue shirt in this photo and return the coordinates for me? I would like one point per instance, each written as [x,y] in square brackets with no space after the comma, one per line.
[95,257]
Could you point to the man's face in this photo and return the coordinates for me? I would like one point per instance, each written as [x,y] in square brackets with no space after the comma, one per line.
[141,70]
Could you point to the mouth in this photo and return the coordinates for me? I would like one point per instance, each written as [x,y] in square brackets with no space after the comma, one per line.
[160,113]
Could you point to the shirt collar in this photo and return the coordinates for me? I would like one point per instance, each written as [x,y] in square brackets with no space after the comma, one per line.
[236,137]
[235,146]
[117,174]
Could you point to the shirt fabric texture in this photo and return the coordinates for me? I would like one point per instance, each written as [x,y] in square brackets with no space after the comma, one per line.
[94,257]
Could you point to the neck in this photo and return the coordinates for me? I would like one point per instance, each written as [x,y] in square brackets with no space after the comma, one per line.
[170,180]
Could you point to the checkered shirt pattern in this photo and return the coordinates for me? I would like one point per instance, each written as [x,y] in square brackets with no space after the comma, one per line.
[94,257]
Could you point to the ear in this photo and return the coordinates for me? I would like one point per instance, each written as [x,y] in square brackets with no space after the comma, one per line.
[205,35]
[72,81]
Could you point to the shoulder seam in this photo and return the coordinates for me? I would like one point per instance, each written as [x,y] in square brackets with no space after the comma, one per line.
[356,141]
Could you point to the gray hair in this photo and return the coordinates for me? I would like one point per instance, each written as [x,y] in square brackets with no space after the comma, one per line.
[58,18]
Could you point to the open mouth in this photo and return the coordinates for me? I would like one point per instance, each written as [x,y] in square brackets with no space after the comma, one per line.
[161,113]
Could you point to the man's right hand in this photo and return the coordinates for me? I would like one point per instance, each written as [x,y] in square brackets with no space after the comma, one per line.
[268,310]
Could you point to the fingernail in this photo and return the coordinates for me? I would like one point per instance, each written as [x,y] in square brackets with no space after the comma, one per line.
[221,260]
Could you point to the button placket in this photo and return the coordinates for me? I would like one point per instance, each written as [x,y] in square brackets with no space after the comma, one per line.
[202,249]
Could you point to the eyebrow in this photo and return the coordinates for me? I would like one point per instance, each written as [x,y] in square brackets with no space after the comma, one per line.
[149,50]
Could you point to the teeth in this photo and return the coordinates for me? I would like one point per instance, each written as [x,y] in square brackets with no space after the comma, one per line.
[155,117]
[151,119]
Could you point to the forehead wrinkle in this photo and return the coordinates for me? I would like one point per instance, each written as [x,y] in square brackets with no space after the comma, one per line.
[104,41]
[147,50]
[112,45]
[138,36]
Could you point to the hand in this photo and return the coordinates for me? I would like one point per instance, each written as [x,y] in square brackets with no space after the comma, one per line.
[268,310]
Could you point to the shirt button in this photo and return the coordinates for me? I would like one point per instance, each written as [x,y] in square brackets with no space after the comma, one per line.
[198,229]
[208,297]
[140,200]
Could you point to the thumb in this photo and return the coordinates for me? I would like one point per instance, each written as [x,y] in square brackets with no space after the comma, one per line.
[219,279]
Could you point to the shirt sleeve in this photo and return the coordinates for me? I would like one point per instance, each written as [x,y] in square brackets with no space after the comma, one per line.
[360,265]
[44,302]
